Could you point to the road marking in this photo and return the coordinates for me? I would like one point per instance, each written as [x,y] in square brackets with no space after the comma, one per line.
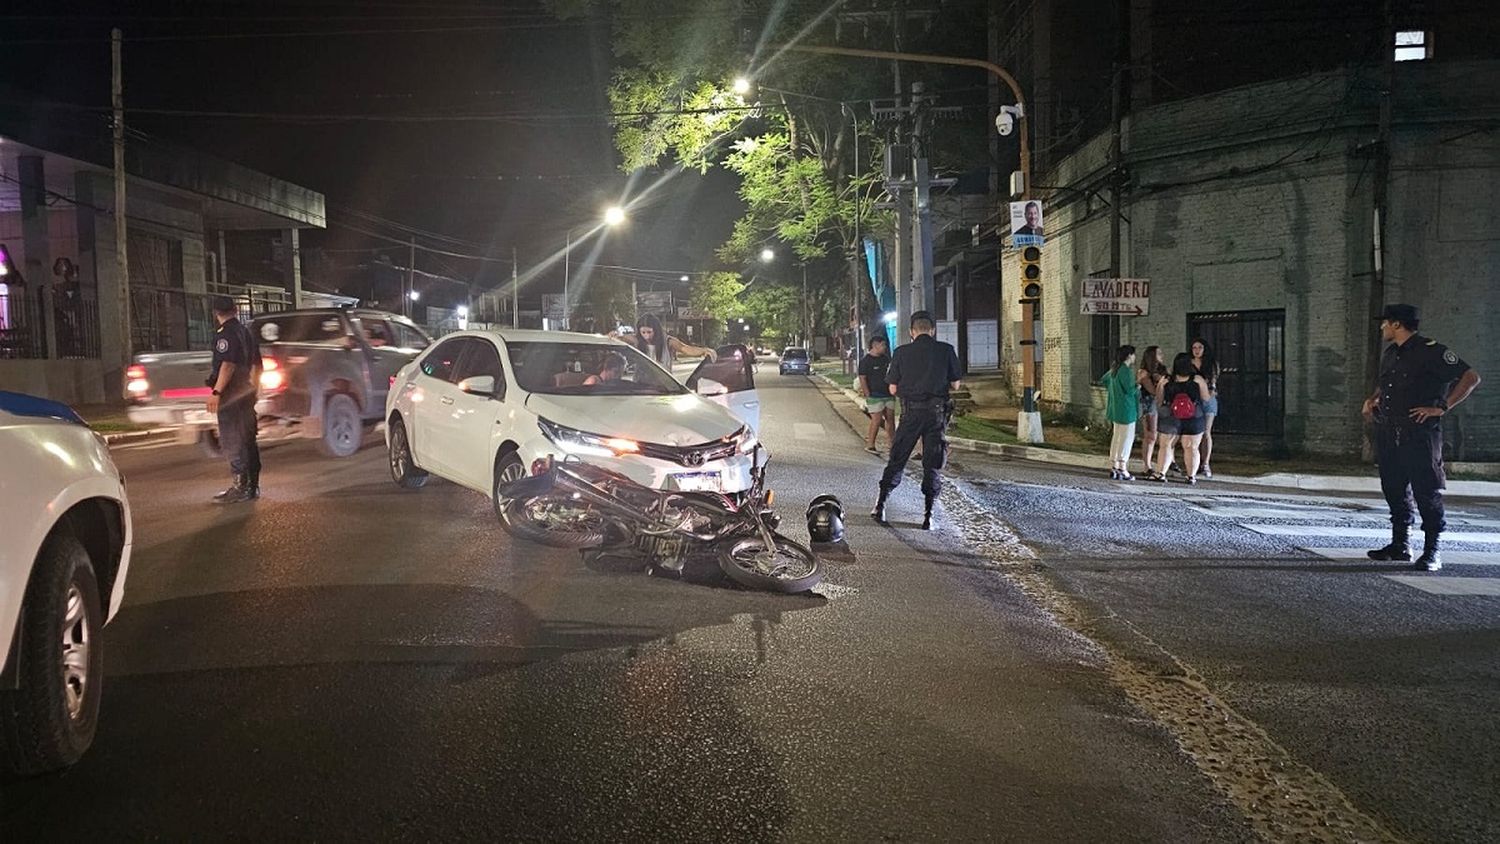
[1451,558]
[808,431]
[1307,514]
[1365,533]
[1449,585]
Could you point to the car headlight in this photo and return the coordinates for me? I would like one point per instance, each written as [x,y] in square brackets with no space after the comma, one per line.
[583,443]
[746,440]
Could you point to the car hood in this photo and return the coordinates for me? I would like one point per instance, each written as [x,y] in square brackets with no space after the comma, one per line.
[679,420]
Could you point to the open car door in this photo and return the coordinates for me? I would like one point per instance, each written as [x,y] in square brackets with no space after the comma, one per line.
[735,370]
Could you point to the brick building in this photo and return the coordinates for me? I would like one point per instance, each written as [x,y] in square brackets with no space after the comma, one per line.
[1251,212]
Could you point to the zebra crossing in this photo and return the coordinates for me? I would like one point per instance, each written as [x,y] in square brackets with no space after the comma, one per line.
[1343,528]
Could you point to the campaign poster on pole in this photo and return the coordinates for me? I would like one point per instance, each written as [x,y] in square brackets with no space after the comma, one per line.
[1026,223]
[1116,296]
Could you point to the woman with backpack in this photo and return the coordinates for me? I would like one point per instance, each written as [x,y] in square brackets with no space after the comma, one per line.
[1180,417]
[1152,372]
[1208,367]
[1122,408]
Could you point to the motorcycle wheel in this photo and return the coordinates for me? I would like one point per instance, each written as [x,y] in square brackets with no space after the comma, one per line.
[790,568]
[565,525]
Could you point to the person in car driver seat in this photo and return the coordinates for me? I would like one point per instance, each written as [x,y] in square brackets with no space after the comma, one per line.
[612,369]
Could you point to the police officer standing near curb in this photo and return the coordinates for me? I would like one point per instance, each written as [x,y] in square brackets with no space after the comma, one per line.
[922,374]
[1420,381]
[236,365]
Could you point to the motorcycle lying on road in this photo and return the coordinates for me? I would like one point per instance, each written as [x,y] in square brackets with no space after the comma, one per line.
[573,504]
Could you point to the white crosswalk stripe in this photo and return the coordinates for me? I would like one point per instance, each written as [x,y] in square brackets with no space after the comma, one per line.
[1323,521]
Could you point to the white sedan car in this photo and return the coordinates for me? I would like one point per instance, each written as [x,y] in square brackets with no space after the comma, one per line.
[479,408]
[64,552]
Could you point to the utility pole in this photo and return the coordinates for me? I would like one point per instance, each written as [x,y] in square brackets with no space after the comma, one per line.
[567,273]
[122,261]
[515,291]
[806,311]
[921,240]
[1381,187]
[411,281]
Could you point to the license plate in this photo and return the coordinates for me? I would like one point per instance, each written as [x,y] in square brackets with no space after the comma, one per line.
[195,417]
[698,482]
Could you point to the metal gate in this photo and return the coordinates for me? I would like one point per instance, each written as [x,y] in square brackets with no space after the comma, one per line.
[1250,348]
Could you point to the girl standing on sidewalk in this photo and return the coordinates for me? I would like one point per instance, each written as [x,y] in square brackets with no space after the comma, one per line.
[1149,377]
[1122,407]
[1208,367]
[1180,417]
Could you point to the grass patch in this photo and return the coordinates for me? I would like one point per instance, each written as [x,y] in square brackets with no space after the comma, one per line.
[971,427]
[109,419]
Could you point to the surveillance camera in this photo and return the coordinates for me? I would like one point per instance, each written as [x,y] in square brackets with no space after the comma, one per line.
[1005,123]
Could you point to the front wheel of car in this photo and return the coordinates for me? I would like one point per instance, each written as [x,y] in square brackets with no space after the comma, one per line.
[50,720]
[343,429]
[404,469]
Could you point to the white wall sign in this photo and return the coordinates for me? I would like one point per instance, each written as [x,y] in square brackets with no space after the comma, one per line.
[1117,296]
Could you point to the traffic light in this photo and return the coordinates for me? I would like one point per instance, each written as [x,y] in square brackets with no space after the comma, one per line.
[1031,275]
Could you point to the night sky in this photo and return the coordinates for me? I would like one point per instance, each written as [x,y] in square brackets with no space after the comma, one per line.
[540,162]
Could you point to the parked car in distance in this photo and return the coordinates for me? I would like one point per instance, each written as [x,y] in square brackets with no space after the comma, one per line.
[326,370]
[795,360]
[64,552]
[481,408]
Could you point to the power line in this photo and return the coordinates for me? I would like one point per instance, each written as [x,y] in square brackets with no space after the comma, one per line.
[373,117]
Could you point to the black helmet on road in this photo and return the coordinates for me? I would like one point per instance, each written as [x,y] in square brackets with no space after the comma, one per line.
[825,519]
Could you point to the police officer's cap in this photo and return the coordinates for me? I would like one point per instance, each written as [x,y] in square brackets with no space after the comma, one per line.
[223,305]
[1404,314]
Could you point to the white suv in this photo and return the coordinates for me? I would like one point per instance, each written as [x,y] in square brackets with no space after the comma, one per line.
[64,552]
[479,408]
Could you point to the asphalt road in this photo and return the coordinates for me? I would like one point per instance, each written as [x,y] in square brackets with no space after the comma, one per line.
[1383,681]
[343,660]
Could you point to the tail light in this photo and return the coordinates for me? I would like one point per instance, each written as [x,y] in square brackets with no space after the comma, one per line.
[135,380]
[271,376]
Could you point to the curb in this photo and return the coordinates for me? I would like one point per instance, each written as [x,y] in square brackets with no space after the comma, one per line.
[1279,480]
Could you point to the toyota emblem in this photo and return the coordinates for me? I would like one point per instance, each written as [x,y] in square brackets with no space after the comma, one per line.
[693,458]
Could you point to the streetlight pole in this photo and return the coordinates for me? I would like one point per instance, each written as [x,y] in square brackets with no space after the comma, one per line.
[567,271]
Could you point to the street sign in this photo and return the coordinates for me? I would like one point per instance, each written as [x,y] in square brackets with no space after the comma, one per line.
[690,312]
[552,306]
[657,302]
[1117,296]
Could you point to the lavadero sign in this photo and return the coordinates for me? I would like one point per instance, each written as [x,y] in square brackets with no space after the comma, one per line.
[1116,296]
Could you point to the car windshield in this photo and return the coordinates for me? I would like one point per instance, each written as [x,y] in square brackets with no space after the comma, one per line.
[299,328]
[795,354]
[588,369]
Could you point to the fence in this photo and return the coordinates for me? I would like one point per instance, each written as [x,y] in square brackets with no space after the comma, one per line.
[168,319]
[23,328]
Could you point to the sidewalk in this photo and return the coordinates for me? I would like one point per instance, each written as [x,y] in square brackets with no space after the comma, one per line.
[1075,448]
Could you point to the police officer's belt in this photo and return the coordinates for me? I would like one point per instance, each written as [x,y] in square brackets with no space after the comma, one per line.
[935,404]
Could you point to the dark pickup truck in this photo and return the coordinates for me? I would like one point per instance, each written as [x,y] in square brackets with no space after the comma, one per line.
[326,370]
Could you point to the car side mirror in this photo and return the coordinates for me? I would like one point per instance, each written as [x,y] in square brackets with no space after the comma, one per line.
[478,385]
[710,387]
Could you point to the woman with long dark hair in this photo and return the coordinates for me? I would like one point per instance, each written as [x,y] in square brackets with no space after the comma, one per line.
[1180,401]
[1149,377]
[654,342]
[1208,367]
[1122,408]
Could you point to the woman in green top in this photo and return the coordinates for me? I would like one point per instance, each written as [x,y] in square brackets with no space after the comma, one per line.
[1122,408]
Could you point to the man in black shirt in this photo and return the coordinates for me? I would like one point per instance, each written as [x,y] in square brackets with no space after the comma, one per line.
[879,403]
[236,371]
[1420,381]
[922,374]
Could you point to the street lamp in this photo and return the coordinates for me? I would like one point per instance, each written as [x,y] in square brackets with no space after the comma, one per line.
[684,278]
[613,216]
[741,85]
[414,295]
[767,255]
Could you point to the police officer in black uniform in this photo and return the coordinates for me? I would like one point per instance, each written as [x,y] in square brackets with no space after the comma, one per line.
[1420,381]
[922,374]
[235,376]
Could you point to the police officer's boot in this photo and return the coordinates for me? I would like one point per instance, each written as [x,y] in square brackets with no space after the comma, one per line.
[1430,560]
[238,493]
[252,484]
[927,513]
[878,514]
[1399,549]
[239,481]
